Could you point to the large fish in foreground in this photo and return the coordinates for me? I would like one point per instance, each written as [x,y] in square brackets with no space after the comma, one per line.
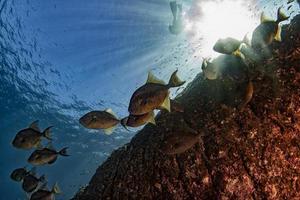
[105,120]
[153,95]
[46,156]
[268,31]
[31,137]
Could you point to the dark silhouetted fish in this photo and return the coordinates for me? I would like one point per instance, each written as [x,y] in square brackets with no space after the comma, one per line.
[31,137]
[267,31]
[153,95]
[177,24]
[19,174]
[230,46]
[105,120]
[46,156]
[177,144]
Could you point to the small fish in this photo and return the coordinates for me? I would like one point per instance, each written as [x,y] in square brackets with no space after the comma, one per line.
[138,120]
[44,194]
[30,182]
[31,137]
[230,46]
[180,142]
[210,70]
[19,174]
[268,31]
[248,94]
[177,25]
[106,120]
[153,95]
[290,1]
[46,156]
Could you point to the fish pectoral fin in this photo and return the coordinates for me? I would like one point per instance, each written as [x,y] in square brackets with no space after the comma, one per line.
[110,111]
[35,125]
[152,119]
[278,34]
[52,161]
[109,131]
[153,79]
[166,104]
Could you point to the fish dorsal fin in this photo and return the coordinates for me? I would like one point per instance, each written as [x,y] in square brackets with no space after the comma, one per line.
[166,104]
[264,18]
[153,79]
[110,111]
[35,125]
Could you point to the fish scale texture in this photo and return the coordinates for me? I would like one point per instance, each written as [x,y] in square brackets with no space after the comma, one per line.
[253,153]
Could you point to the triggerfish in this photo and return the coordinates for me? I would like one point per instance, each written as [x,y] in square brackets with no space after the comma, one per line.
[153,95]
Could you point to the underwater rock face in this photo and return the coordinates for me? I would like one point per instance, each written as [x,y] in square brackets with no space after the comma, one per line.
[252,153]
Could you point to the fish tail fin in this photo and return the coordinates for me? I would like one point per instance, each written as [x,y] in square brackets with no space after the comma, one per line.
[47,134]
[175,81]
[124,123]
[152,118]
[281,16]
[63,152]
[56,189]
[109,131]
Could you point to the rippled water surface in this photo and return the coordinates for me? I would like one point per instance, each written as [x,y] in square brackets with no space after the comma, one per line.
[61,59]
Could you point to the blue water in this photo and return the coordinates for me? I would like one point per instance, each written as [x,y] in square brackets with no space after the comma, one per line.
[61,59]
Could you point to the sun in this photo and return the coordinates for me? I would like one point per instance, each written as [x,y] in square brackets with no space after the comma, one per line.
[220,19]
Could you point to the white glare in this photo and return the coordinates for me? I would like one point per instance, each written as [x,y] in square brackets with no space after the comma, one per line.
[220,19]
